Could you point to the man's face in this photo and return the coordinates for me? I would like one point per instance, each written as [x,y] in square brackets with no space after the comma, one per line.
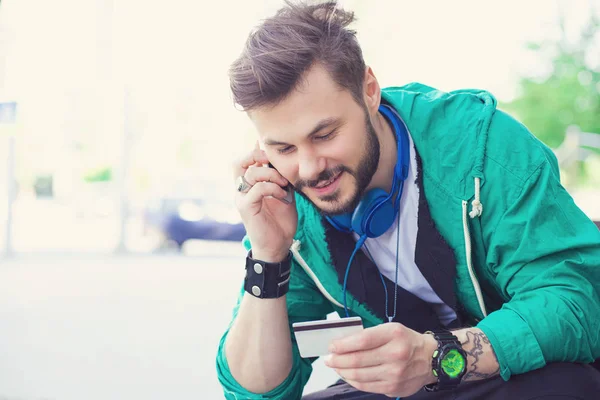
[322,141]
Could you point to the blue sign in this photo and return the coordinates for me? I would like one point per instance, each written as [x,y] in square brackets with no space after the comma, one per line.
[8,113]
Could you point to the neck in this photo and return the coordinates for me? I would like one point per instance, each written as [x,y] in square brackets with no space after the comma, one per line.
[388,149]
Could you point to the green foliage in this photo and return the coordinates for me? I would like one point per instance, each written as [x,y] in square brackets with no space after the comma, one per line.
[99,175]
[570,94]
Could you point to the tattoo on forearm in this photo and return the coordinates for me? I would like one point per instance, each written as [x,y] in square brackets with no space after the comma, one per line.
[475,346]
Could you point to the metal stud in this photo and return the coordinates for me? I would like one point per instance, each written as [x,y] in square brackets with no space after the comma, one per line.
[258,268]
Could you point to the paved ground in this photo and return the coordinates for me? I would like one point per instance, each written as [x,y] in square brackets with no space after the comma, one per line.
[99,327]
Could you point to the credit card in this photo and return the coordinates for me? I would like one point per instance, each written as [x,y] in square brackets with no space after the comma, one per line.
[314,337]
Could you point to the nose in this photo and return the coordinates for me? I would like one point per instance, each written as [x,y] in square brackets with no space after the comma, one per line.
[310,166]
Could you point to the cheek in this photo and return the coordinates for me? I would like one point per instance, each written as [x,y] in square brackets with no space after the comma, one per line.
[340,151]
[347,153]
[284,165]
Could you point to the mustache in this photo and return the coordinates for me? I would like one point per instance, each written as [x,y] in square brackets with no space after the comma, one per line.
[323,176]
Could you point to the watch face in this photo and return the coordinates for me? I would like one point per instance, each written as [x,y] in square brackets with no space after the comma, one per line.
[453,363]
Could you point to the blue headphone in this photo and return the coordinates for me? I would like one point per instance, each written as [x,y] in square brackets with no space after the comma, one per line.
[376,211]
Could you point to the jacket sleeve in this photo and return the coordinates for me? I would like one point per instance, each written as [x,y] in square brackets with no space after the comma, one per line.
[304,303]
[545,254]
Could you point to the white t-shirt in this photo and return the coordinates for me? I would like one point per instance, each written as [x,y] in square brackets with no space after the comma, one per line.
[383,249]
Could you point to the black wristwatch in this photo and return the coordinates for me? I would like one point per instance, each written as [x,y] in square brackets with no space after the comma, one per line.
[267,280]
[448,362]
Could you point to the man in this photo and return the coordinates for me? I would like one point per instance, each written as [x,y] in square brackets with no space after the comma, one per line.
[436,218]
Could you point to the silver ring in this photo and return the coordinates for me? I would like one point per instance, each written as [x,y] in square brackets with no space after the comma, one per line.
[242,184]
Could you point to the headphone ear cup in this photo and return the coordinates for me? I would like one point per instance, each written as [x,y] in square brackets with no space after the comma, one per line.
[374,214]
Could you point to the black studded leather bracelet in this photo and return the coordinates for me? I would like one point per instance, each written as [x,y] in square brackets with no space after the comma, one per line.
[267,280]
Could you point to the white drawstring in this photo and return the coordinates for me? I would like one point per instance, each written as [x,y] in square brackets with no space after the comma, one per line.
[469,260]
[295,249]
[476,206]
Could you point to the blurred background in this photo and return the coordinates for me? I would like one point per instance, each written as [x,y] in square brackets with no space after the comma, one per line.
[120,259]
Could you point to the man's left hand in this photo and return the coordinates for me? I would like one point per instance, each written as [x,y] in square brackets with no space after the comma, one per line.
[390,359]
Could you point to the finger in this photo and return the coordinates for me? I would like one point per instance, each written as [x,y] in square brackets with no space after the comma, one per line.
[357,359]
[257,156]
[367,374]
[261,190]
[366,339]
[263,174]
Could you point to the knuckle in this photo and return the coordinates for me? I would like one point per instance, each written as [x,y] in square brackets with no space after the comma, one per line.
[260,186]
[354,360]
[400,353]
[272,176]
[397,371]
[398,330]
[250,175]
[270,173]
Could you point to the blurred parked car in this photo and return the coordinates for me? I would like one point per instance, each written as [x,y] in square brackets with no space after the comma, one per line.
[178,219]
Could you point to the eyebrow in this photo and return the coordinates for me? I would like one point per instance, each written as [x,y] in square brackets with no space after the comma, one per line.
[324,123]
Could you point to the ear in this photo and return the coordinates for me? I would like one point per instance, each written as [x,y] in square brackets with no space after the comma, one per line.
[371,91]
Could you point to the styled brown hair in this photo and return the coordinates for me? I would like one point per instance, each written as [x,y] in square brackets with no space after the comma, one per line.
[283,47]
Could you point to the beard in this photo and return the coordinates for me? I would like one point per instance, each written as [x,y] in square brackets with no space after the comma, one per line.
[362,176]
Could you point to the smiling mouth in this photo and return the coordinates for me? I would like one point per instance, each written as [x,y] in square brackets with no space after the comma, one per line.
[327,183]
[328,187]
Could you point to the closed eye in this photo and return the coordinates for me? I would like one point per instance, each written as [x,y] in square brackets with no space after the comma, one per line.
[289,149]
[330,135]
[285,150]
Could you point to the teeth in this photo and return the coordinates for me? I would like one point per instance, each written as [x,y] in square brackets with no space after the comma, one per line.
[326,183]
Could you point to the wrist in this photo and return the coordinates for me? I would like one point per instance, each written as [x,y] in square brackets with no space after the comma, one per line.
[267,280]
[269,256]
[448,361]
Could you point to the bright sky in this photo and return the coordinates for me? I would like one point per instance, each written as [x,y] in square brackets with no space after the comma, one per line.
[68,63]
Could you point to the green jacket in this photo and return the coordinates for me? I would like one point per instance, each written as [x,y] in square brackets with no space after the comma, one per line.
[528,259]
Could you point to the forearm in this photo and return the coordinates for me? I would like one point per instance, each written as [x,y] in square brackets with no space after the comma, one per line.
[481,359]
[258,347]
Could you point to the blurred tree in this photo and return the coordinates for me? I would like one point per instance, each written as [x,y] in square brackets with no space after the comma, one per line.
[569,95]
[103,174]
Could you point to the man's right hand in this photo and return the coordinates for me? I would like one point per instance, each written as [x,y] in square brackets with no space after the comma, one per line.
[270,222]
